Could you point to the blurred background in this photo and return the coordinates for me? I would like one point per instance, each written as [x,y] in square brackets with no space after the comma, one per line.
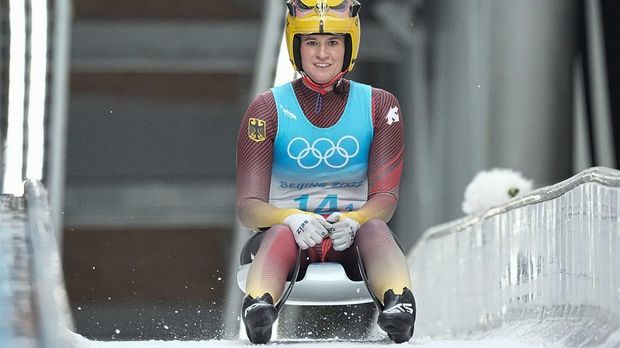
[142,102]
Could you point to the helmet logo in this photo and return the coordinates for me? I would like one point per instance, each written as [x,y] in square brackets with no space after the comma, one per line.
[321,9]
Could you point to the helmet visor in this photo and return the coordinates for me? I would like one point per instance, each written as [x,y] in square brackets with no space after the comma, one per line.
[334,8]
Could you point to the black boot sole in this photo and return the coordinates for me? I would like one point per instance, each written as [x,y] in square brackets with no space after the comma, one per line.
[258,324]
[398,326]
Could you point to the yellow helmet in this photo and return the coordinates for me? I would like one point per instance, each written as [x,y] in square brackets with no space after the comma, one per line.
[323,16]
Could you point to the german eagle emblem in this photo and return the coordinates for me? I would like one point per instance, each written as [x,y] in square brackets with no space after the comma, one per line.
[257,130]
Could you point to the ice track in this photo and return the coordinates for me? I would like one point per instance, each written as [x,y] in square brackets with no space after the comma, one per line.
[490,343]
[540,271]
[425,342]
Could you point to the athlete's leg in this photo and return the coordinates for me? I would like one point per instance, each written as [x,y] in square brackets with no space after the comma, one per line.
[386,265]
[275,258]
[389,279]
[265,282]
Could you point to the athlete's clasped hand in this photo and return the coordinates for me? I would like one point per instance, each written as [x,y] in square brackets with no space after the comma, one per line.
[342,231]
[308,229]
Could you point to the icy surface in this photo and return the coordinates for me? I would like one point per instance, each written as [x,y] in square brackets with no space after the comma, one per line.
[504,343]
[504,337]
[421,342]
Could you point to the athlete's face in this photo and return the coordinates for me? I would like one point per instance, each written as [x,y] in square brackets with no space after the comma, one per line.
[322,56]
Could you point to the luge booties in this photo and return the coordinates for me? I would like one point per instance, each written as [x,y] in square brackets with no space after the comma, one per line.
[258,315]
[398,316]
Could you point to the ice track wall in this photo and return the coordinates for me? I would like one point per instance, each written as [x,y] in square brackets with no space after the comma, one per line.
[545,265]
[33,300]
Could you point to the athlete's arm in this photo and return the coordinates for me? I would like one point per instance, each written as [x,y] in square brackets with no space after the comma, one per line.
[385,164]
[254,159]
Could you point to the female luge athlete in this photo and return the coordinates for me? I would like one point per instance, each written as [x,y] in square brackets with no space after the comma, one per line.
[319,162]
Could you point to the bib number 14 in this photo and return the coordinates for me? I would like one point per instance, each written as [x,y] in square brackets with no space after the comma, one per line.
[329,204]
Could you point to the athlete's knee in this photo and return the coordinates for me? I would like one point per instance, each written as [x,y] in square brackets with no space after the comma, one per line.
[279,234]
[376,224]
[375,227]
[279,229]
[373,233]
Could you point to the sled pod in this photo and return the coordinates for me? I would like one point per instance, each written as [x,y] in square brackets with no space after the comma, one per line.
[324,284]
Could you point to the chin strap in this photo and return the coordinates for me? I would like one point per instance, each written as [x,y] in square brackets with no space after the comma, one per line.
[321,87]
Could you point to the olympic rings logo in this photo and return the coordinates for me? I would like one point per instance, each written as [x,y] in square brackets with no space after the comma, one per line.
[309,156]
